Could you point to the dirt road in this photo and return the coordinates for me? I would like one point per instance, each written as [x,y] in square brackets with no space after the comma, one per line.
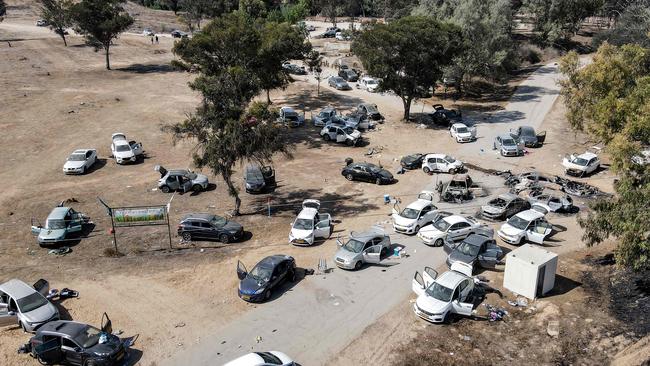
[322,314]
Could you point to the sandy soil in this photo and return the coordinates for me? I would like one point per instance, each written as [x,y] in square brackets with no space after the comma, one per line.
[57,99]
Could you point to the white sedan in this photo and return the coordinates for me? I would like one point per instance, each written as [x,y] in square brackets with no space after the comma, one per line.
[452,228]
[416,215]
[80,161]
[440,297]
[581,165]
[462,133]
[262,359]
[529,225]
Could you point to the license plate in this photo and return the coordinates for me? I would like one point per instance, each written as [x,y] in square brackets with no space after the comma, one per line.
[245,297]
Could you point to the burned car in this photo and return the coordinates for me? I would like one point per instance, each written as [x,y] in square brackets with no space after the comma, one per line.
[180,180]
[369,111]
[528,137]
[444,116]
[504,206]
[459,188]
[556,202]
[476,249]
[259,179]
[74,343]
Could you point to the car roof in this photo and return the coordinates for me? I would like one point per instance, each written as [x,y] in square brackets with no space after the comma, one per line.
[287,109]
[364,236]
[476,239]
[274,260]
[81,151]
[458,125]
[451,279]
[587,155]
[177,172]
[505,136]
[527,128]
[328,109]
[17,289]
[530,215]
[58,212]
[365,164]
[453,219]
[64,327]
[508,196]
[419,204]
[308,213]
[436,156]
[199,216]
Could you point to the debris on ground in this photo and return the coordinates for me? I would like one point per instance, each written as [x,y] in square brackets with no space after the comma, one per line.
[60,251]
[495,313]
[553,328]
[519,302]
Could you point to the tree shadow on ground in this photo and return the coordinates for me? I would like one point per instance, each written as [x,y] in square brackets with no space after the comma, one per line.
[147,69]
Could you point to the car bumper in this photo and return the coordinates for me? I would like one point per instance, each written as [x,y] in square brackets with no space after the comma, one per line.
[426,240]
[510,152]
[251,298]
[45,242]
[575,172]
[73,171]
[433,318]
[508,239]
[491,215]
[404,229]
[464,139]
[126,160]
[342,264]
[301,242]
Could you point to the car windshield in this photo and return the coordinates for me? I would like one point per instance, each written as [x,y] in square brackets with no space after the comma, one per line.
[122,148]
[373,168]
[440,292]
[77,157]
[218,221]
[55,224]
[527,132]
[291,117]
[409,213]
[348,130]
[31,302]
[508,142]
[88,337]
[339,80]
[261,272]
[462,130]
[353,246]
[441,225]
[579,161]
[518,223]
[499,202]
[371,82]
[468,249]
[449,159]
[303,224]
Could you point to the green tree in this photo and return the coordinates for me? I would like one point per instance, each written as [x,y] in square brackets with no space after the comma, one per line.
[632,26]
[227,129]
[557,20]
[408,55]
[254,8]
[57,14]
[488,50]
[315,63]
[330,9]
[173,5]
[101,21]
[610,100]
[281,42]
[3,10]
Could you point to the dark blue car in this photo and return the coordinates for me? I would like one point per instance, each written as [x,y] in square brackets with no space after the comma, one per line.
[267,275]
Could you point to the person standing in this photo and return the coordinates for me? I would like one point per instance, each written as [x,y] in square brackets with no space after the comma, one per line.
[157,39]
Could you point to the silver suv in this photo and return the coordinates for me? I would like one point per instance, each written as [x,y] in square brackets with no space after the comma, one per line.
[181,180]
[23,305]
[366,247]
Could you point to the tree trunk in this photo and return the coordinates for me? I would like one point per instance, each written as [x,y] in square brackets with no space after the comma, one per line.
[407,107]
[108,61]
[65,43]
[268,96]
[233,192]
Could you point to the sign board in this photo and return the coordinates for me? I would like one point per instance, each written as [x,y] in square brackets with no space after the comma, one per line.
[140,216]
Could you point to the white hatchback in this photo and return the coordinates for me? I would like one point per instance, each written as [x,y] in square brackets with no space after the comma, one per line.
[440,297]
[529,225]
[462,133]
[310,224]
[441,163]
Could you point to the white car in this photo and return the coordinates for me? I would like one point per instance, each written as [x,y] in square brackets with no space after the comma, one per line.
[272,358]
[529,225]
[344,135]
[148,32]
[123,150]
[440,297]
[341,37]
[462,133]
[80,161]
[581,165]
[369,84]
[310,224]
[416,215]
[441,163]
[451,228]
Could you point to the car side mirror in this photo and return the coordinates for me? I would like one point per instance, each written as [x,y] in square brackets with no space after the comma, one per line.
[11,313]
[36,230]
[339,242]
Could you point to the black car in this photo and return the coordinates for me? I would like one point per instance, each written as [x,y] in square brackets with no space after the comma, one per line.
[349,75]
[527,135]
[208,226]
[367,172]
[294,69]
[259,179]
[504,206]
[475,249]
[267,275]
[444,116]
[178,34]
[68,342]
[330,33]
[413,161]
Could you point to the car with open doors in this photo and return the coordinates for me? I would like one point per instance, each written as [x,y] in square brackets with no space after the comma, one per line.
[417,214]
[125,151]
[266,277]
[259,178]
[451,228]
[61,223]
[25,305]
[310,224]
[74,343]
[529,225]
[441,163]
[440,297]
[476,250]
[180,180]
[364,247]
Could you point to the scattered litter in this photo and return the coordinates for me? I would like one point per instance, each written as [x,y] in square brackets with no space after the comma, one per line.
[322,266]
[309,271]
[494,313]
[519,302]
[421,126]
[224,342]
[67,293]
[274,330]
[180,344]
[179,325]
[25,348]
[467,338]
[202,250]
[71,111]
[553,328]
[258,339]
[52,294]
[60,251]
[120,331]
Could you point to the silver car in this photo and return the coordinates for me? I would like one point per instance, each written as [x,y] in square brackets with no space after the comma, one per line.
[338,83]
[21,304]
[507,146]
[366,247]
[180,180]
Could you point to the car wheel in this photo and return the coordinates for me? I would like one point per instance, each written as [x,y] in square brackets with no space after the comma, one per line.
[21,325]
[197,188]
[164,189]
[438,243]
[292,276]
[417,228]
[452,171]
[426,170]
[41,361]
[187,236]
[89,363]
[378,181]
[349,177]
[327,137]
[224,238]
[349,143]
[267,295]
[447,318]
[357,266]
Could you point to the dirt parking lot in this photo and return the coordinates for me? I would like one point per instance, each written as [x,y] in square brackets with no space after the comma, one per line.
[57,99]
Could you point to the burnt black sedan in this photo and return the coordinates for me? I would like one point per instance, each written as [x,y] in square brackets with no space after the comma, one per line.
[413,161]
[367,172]
[267,276]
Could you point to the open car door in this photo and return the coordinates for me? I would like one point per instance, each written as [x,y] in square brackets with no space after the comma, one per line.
[7,317]
[539,231]
[42,286]
[136,147]
[463,268]
[310,203]
[462,308]
[107,325]
[241,270]
[472,131]
[160,169]
[372,254]
[427,196]
[324,226]
[541,137]
[49,352]
[429,276]
[36,227]
[417,285]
